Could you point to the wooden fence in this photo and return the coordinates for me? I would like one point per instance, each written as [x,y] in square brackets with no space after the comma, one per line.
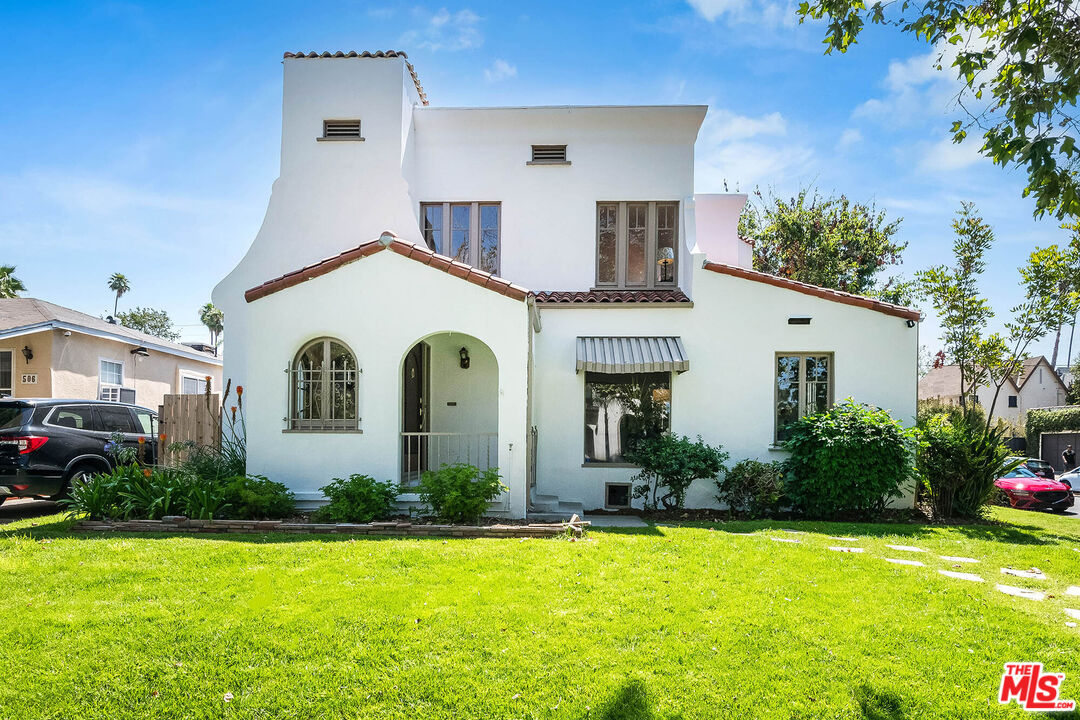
[188,419]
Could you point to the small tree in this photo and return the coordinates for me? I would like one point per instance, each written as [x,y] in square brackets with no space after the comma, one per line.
[825,241]
[119,284]
[10,286]
[671,462]
[150,321]
[214,320]
[1051,283]
[963,312]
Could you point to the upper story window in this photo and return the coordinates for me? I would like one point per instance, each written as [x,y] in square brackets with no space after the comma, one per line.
[323,388]
[466,232]
[635,244]
[341,130]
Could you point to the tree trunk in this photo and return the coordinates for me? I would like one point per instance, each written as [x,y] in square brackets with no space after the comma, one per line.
[1057,342]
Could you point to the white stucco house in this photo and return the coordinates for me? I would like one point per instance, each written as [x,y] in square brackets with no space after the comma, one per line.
[521,287]
[1038,385]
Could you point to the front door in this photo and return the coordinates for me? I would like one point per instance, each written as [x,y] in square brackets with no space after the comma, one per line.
[414,413]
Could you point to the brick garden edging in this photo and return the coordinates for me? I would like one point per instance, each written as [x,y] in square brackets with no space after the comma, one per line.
[181,524]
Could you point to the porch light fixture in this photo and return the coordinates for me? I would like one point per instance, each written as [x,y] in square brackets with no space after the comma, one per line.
[27,353]
[141,352]
[665,256]
[463,353]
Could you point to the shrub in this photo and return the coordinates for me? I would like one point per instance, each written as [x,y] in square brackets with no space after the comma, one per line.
[358,499]
[958,461]
[1040,420]
[96,498]
[672,462]
[460,493]
[254,497]
[849,458]
[753,487]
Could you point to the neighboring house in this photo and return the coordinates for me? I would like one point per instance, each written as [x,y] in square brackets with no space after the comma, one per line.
[1036,386]
[523,287]
[48,351]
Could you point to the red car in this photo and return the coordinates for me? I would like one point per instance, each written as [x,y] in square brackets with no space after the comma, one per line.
[1027,491]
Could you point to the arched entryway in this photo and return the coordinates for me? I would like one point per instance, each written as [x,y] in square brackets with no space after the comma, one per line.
[449,405]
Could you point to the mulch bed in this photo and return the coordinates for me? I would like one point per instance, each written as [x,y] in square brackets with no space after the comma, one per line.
[183,525]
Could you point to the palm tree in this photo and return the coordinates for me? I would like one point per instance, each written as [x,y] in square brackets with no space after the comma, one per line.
[119,285]
[214,320]
[10,286]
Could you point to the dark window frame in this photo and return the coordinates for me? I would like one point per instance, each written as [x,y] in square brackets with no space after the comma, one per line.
[800,376]
[607,495]
[475,239]
[622,244]
[665,380]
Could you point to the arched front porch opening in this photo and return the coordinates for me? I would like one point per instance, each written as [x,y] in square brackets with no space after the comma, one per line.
[449,405]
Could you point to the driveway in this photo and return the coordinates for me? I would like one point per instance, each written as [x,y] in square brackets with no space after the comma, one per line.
[21,509]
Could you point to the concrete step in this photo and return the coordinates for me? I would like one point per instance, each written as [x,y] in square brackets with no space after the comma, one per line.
[548,517]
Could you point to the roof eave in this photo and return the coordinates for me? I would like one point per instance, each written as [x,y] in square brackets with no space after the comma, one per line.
[83,330]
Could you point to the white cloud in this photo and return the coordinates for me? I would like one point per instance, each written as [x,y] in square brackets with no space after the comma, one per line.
[946,156]
[744,151]
[771,13]
[500,70]
[848,139]
[445,30]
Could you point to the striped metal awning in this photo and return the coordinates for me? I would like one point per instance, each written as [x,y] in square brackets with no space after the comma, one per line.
[631,354]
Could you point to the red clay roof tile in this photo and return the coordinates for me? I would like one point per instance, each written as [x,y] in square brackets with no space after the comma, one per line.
[401,247]
[807,289]
[593,297]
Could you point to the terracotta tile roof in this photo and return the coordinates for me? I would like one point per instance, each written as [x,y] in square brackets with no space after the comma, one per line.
[610,297]
[401,247]
[367,54]
[808,289]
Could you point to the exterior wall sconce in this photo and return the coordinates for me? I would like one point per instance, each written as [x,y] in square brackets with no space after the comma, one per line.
[665,256]
[141,352]
[27,353]
[464,355]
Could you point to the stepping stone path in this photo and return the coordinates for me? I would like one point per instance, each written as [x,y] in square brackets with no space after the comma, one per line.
[961,576]
[1021,592]
[905,548]
[954,559]
[787,540]
[1032,574]
[844,539]
[1073,590]
[846,549]
[1073,613]
[914,563]
[793,532]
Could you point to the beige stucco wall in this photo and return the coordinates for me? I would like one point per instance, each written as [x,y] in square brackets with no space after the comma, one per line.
[75,361]
[41,346]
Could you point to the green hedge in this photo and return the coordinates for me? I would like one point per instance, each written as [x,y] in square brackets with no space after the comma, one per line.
[1049,420]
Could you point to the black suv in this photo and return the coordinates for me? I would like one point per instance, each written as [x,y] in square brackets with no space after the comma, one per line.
[46,444]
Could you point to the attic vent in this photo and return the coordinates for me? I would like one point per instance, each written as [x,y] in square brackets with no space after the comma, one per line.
[341,130]
[549,155]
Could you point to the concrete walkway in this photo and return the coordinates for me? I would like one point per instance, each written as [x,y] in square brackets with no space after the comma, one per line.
[625,521]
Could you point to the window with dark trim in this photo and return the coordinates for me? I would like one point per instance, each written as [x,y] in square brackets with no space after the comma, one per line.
[466,232]
[804,386]
[636,244]
[621,409]
[1012,401]
[323,388]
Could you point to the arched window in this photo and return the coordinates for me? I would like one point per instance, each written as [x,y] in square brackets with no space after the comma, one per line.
[323,388]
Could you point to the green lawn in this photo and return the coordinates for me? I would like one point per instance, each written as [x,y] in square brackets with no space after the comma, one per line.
[690,621]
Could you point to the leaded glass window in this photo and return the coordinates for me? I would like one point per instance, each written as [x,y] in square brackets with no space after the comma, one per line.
[804,385]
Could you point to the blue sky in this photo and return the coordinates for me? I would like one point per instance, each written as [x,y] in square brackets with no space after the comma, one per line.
[143,138]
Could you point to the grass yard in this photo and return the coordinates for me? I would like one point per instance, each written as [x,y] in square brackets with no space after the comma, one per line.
[692,622]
